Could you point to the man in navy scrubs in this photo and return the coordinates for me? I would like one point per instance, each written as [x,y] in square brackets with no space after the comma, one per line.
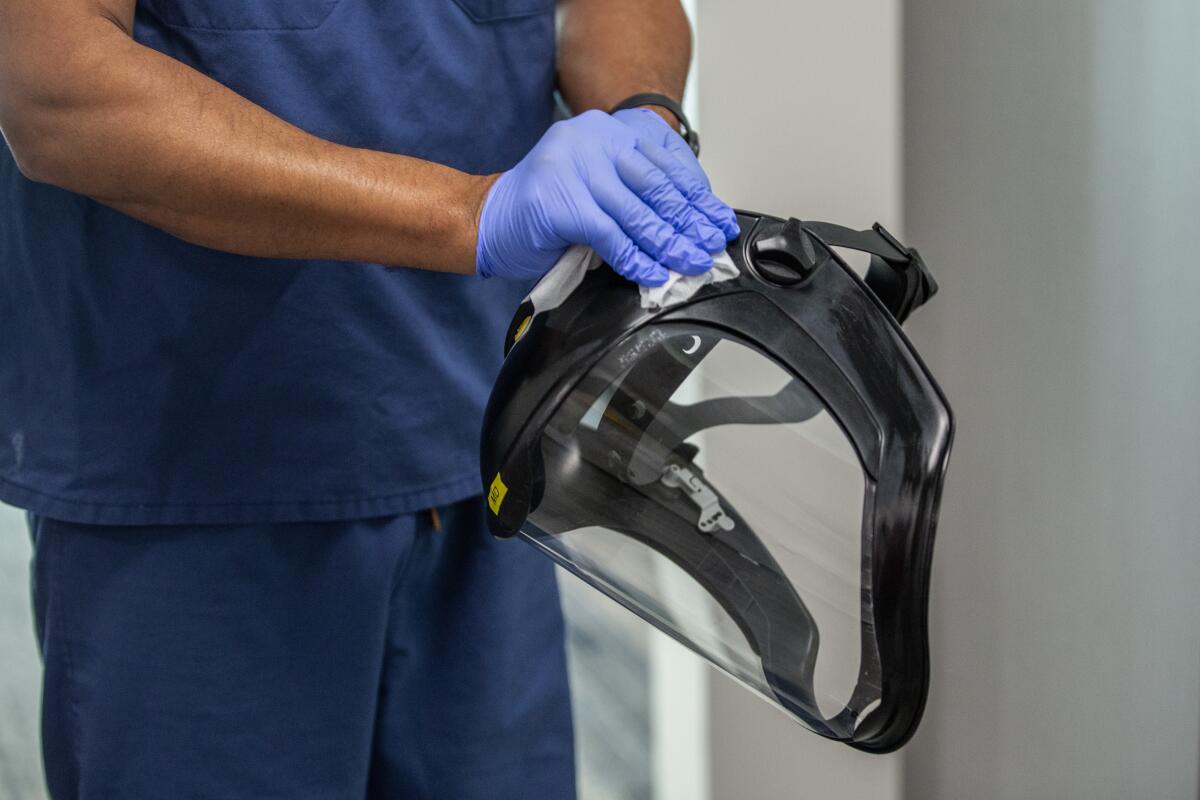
[256,261]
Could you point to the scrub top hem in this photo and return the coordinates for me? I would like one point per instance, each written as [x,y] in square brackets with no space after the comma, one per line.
[238,513]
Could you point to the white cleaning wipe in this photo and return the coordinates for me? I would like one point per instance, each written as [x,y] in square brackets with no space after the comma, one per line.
[680,287]
[566,275]
[563,278]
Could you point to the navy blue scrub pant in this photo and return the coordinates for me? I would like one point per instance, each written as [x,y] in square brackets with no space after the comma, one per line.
[376,658]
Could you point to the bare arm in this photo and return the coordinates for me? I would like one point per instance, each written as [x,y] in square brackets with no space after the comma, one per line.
[86,108]
[612,49]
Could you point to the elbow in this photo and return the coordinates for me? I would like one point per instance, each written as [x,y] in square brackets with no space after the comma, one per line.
[50,96]
[30,151]
[33,135]
[30,159]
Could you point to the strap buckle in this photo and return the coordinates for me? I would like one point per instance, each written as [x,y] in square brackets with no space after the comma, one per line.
[919,281]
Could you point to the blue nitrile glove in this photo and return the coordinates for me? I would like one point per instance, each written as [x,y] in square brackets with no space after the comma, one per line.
[594,179]
[663,145]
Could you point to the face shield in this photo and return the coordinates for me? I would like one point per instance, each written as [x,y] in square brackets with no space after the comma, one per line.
[755,470]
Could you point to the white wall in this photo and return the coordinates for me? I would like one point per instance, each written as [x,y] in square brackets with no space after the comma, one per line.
[800,109]
[1053,185]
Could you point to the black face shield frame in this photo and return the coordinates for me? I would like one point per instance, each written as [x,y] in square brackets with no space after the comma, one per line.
[585,431]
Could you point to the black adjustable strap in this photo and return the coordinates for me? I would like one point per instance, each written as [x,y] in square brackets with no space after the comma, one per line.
[897,275]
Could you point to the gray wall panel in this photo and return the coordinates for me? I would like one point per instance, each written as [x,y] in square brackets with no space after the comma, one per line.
[1053,183]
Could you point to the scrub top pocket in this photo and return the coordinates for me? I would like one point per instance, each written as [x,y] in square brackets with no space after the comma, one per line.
[242,15]
[499,10]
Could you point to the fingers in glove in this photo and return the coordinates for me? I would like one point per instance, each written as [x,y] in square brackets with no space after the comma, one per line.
[690,180]
[648,230]
[607,238]
[658,192]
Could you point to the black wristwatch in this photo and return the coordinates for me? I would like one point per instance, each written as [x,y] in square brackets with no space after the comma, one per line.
[652,99]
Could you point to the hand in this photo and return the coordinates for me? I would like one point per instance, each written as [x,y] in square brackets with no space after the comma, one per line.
[599,180]
[658,130]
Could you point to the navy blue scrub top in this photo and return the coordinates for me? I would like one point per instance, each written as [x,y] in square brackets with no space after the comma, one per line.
[147,380]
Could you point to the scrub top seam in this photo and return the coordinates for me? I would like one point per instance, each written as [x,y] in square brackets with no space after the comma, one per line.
[427,495]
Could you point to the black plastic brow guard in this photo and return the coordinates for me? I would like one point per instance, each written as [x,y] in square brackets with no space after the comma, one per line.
[797,300]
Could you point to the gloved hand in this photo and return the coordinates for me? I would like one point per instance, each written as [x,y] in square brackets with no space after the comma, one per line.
[657,136]
[597,179]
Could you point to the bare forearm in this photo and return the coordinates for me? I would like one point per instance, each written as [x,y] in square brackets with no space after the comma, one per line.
[147,135]
[611,49]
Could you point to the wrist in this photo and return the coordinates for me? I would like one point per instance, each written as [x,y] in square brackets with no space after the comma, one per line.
[668,109]
[667,115]
[476,200]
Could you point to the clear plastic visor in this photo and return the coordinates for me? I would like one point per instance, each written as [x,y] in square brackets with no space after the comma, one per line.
[702,485]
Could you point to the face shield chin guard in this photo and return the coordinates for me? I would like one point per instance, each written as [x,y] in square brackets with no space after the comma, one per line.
[755,471]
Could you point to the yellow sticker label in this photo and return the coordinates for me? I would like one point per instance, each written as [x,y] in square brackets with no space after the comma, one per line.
[496,494]
[522,328]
